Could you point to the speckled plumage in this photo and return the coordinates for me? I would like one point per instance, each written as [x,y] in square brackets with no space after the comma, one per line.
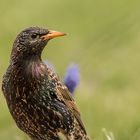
[40,104]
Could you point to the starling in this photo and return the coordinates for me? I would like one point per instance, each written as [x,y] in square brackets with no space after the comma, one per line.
[39,103]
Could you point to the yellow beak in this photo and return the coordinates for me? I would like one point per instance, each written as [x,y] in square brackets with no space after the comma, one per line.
[52,34]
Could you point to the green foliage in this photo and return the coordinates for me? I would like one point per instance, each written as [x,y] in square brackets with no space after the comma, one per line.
[103,38]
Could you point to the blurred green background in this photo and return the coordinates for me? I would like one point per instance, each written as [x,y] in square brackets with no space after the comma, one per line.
[104,40]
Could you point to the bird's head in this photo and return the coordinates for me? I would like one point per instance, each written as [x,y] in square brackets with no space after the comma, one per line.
[31,41]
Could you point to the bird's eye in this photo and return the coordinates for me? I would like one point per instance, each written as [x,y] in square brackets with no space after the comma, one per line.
[34,36]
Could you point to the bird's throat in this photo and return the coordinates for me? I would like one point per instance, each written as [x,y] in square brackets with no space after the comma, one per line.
[29,68]
[36,68]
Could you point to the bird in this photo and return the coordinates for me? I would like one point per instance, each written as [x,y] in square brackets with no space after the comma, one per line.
[40,104]
[71,78]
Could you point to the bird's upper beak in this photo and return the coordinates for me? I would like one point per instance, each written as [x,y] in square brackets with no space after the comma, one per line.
[52,34]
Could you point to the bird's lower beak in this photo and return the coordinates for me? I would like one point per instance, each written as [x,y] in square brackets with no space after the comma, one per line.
[52,34]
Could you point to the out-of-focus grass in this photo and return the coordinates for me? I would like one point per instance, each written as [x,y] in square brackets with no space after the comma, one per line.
[103,38]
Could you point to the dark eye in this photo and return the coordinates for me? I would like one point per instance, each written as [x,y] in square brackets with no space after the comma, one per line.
[34,36]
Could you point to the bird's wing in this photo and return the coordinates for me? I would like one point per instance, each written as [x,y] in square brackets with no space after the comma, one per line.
[64,95]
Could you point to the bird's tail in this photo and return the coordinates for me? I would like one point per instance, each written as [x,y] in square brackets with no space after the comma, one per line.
[78,133]
[78,136]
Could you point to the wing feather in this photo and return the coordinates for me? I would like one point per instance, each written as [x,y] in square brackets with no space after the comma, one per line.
[70,103]
[64,96]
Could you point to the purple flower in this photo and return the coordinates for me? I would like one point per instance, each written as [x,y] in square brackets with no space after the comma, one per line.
[72,77]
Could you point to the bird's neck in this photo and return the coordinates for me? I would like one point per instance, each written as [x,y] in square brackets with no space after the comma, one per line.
[20,57]
[35,68]
[31,67]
